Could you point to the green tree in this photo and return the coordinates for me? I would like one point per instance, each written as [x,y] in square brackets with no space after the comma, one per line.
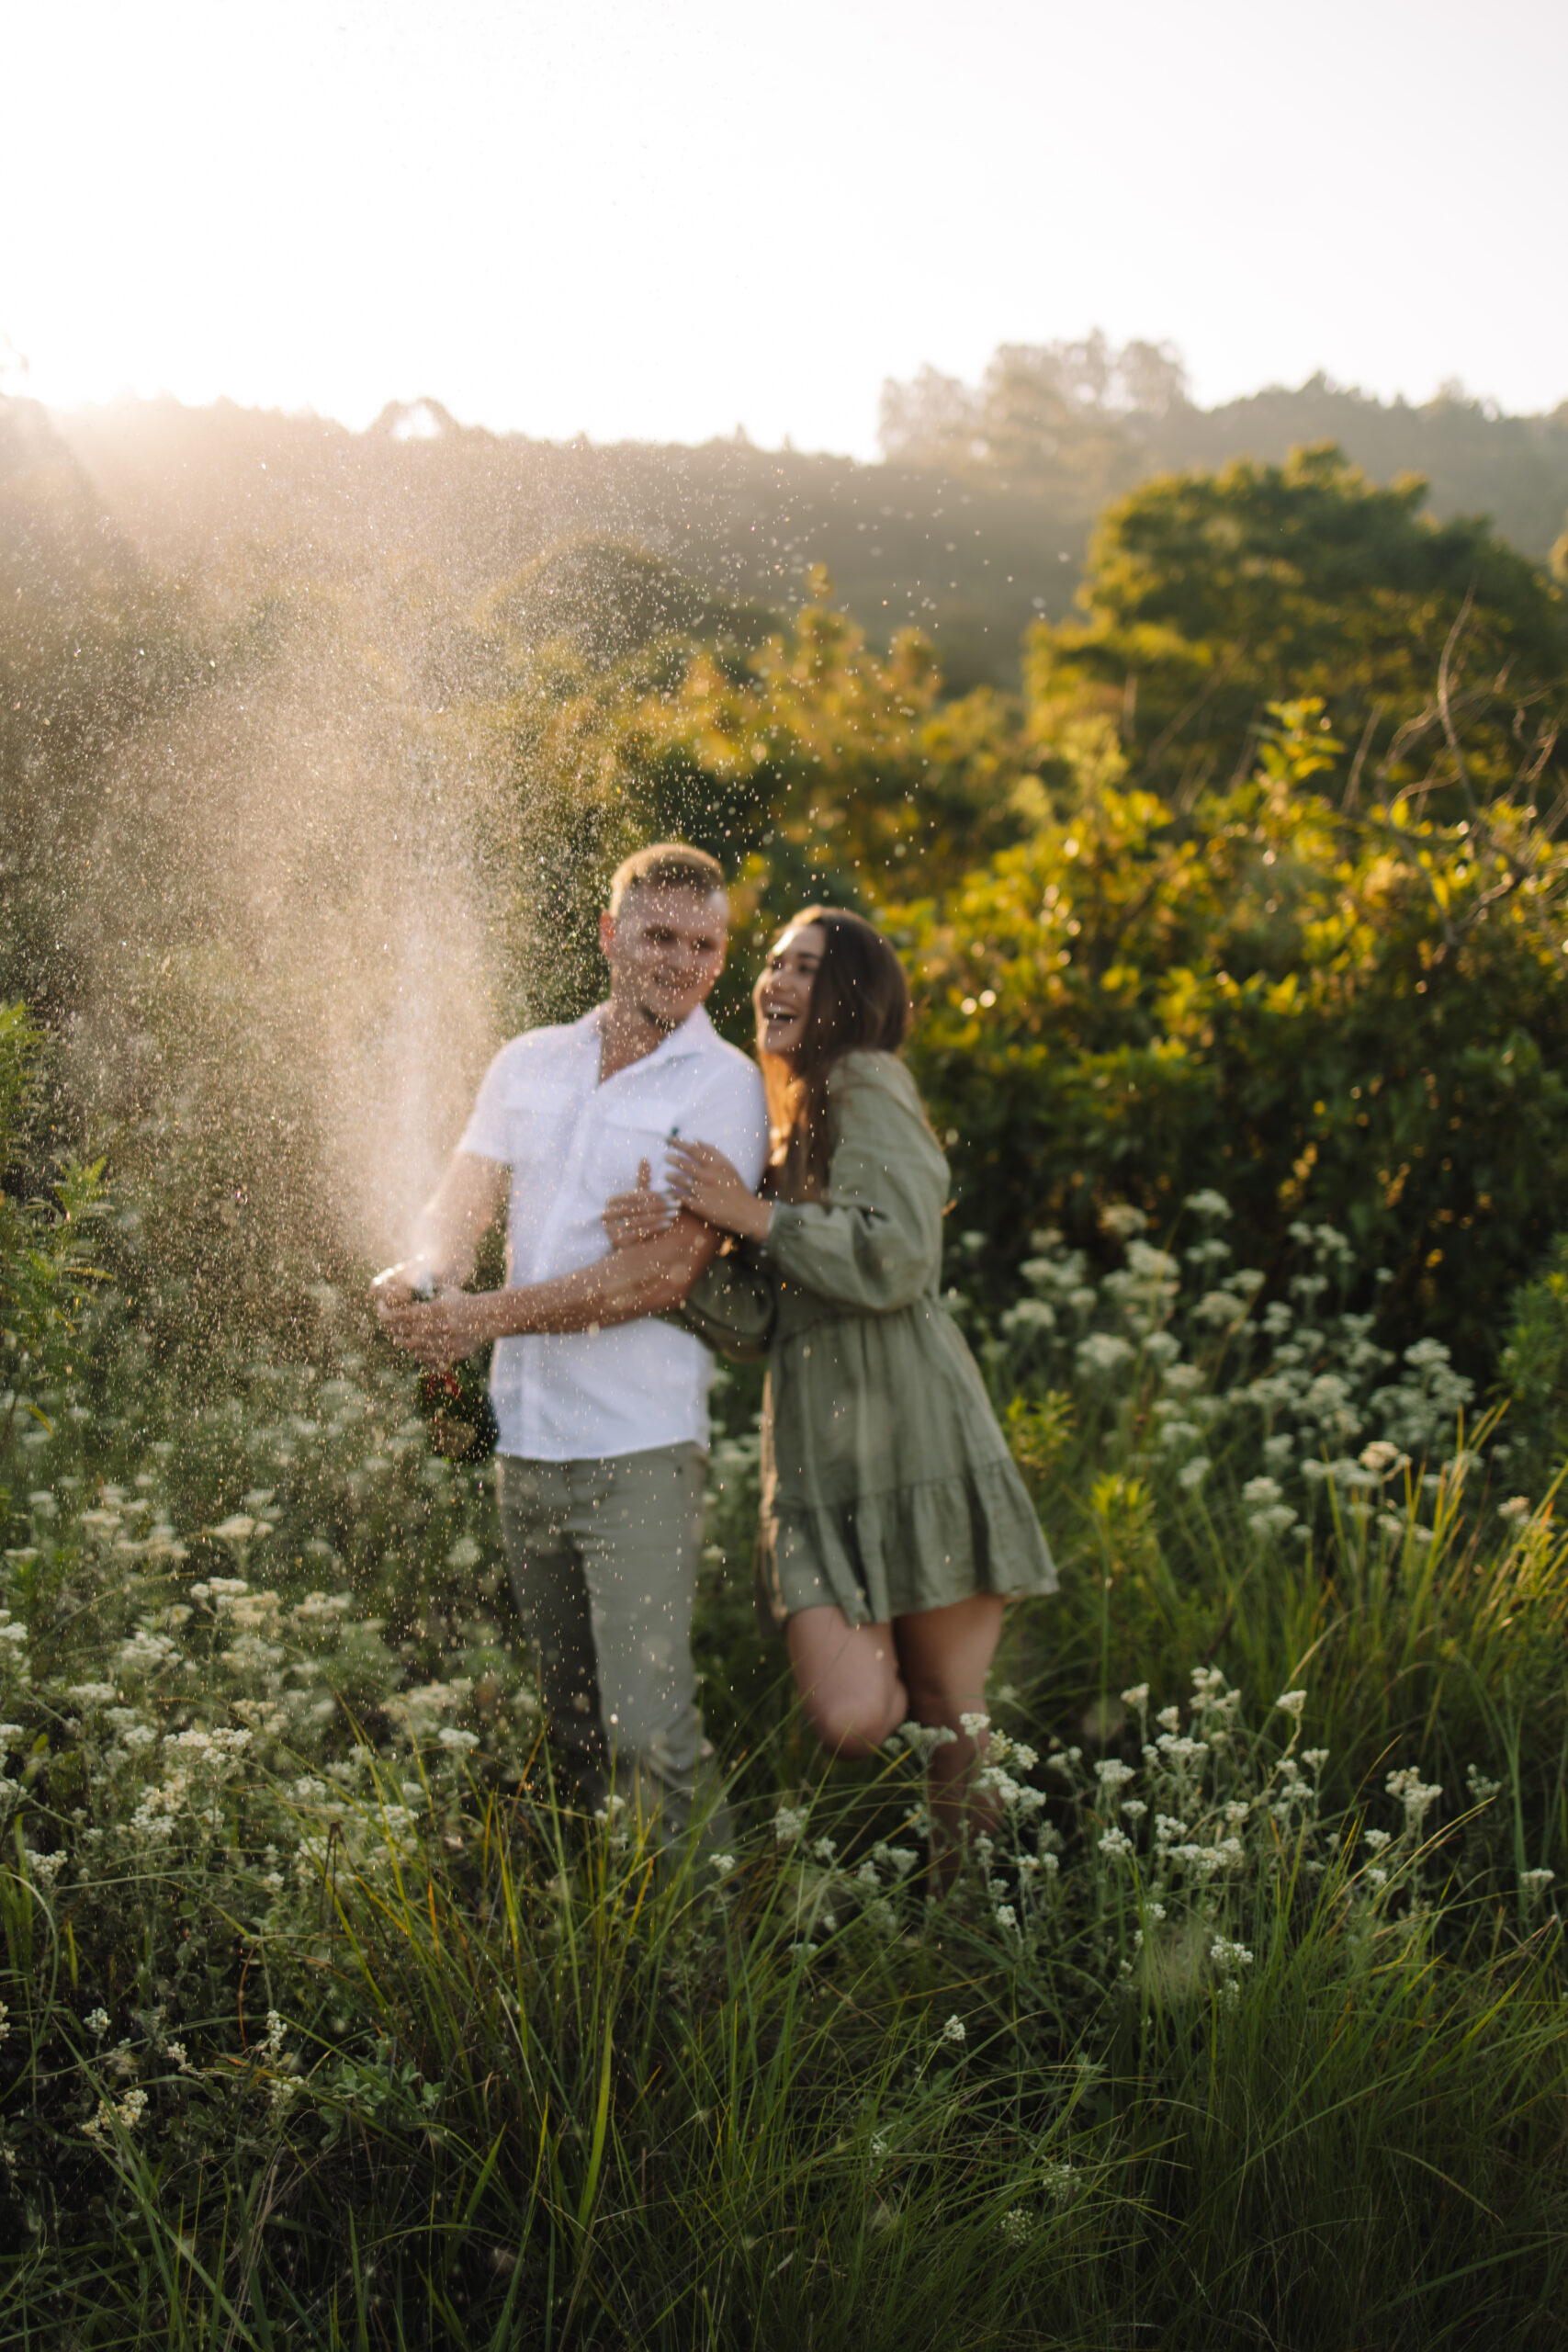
[1209,595]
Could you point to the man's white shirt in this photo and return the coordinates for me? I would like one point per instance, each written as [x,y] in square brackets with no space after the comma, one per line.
[570,1142]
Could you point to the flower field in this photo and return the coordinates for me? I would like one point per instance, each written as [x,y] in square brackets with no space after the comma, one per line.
[326,2025]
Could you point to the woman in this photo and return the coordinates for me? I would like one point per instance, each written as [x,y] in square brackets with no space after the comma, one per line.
[894,1522]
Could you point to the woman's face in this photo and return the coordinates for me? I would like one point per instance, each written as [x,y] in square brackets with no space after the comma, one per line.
[783,994]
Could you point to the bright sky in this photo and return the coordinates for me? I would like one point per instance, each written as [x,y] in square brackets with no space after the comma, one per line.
[662,218]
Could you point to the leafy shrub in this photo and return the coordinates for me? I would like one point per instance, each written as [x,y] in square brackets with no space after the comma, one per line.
[1353,1018]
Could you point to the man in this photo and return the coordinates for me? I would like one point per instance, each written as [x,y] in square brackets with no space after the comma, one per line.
[602,1412]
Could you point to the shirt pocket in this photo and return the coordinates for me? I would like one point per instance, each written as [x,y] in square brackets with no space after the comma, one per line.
[633,1130]
[539,1116]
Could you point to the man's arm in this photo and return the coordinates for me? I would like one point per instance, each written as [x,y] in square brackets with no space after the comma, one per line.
[451,1226]
[649,1278]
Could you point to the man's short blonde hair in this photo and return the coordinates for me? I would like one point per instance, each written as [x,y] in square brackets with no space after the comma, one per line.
[666,865]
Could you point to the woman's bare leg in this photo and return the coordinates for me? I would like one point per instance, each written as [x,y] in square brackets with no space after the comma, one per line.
[849,1681]
[945,1655]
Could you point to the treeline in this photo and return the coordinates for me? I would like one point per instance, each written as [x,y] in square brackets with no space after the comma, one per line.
[976,523]
[1253,884]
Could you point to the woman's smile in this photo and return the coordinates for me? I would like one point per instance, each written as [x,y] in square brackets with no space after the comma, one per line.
[783,994]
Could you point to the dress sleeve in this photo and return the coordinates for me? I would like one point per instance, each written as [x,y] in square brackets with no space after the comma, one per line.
[875,1244]
[730,1307]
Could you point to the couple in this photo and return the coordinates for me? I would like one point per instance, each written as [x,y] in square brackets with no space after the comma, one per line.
[800,1216]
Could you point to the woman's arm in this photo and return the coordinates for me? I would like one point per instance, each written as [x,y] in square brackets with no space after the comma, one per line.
[875,1244]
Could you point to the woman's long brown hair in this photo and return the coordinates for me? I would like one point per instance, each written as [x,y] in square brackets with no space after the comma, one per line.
[859,1003]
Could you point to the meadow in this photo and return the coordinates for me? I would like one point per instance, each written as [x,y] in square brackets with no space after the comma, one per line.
[325,2024]
[1238,944]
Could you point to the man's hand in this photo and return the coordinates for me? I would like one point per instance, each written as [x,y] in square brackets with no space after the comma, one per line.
[440,1332]
[450,1227]
[645,1278]
[630,1218]
[396,1285]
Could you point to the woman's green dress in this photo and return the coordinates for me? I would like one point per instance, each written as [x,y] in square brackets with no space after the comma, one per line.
[886,1485]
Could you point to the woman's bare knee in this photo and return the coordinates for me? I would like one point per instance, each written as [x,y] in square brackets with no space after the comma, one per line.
[850,1723]
[848,1679]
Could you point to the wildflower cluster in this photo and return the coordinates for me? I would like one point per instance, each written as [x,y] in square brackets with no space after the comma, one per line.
[1176,1354]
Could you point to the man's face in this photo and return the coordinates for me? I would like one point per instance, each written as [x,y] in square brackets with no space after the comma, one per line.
[665,950]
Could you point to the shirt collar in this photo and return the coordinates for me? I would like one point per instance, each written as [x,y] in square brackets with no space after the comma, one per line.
[695,1035]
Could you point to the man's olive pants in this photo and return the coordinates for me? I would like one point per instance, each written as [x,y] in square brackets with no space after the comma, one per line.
[603,1557]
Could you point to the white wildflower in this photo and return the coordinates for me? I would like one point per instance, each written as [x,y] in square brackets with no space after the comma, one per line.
[1115,1844]
[1029,1314]
[458,1742]
[954,2030]
[1534,1882]
[725,1864]
[1514,1508]
[1417,1796]
[1018,2226]
[1291,1703]
[1058,2181]
[128,2111]
[1192,1473]
[1211,1206]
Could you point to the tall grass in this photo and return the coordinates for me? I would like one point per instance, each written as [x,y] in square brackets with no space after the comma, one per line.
[326,2025]
[544,2092]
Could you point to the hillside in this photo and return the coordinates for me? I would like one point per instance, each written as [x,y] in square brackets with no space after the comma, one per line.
[966,538]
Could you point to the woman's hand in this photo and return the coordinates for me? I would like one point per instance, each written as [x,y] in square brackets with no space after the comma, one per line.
[703,1181]
[631,1217]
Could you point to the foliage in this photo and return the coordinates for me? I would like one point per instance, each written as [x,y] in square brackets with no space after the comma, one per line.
[44,1267]
[1209,594]
[1533,1370]
[808,762]
[1354,1016]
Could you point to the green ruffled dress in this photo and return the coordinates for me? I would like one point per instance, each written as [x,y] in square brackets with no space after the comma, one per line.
[886,1485]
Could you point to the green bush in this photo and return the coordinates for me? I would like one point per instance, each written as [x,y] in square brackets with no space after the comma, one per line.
[1358,1021]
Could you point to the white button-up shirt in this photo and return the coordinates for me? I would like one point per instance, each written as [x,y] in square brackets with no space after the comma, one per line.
[570,1142]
